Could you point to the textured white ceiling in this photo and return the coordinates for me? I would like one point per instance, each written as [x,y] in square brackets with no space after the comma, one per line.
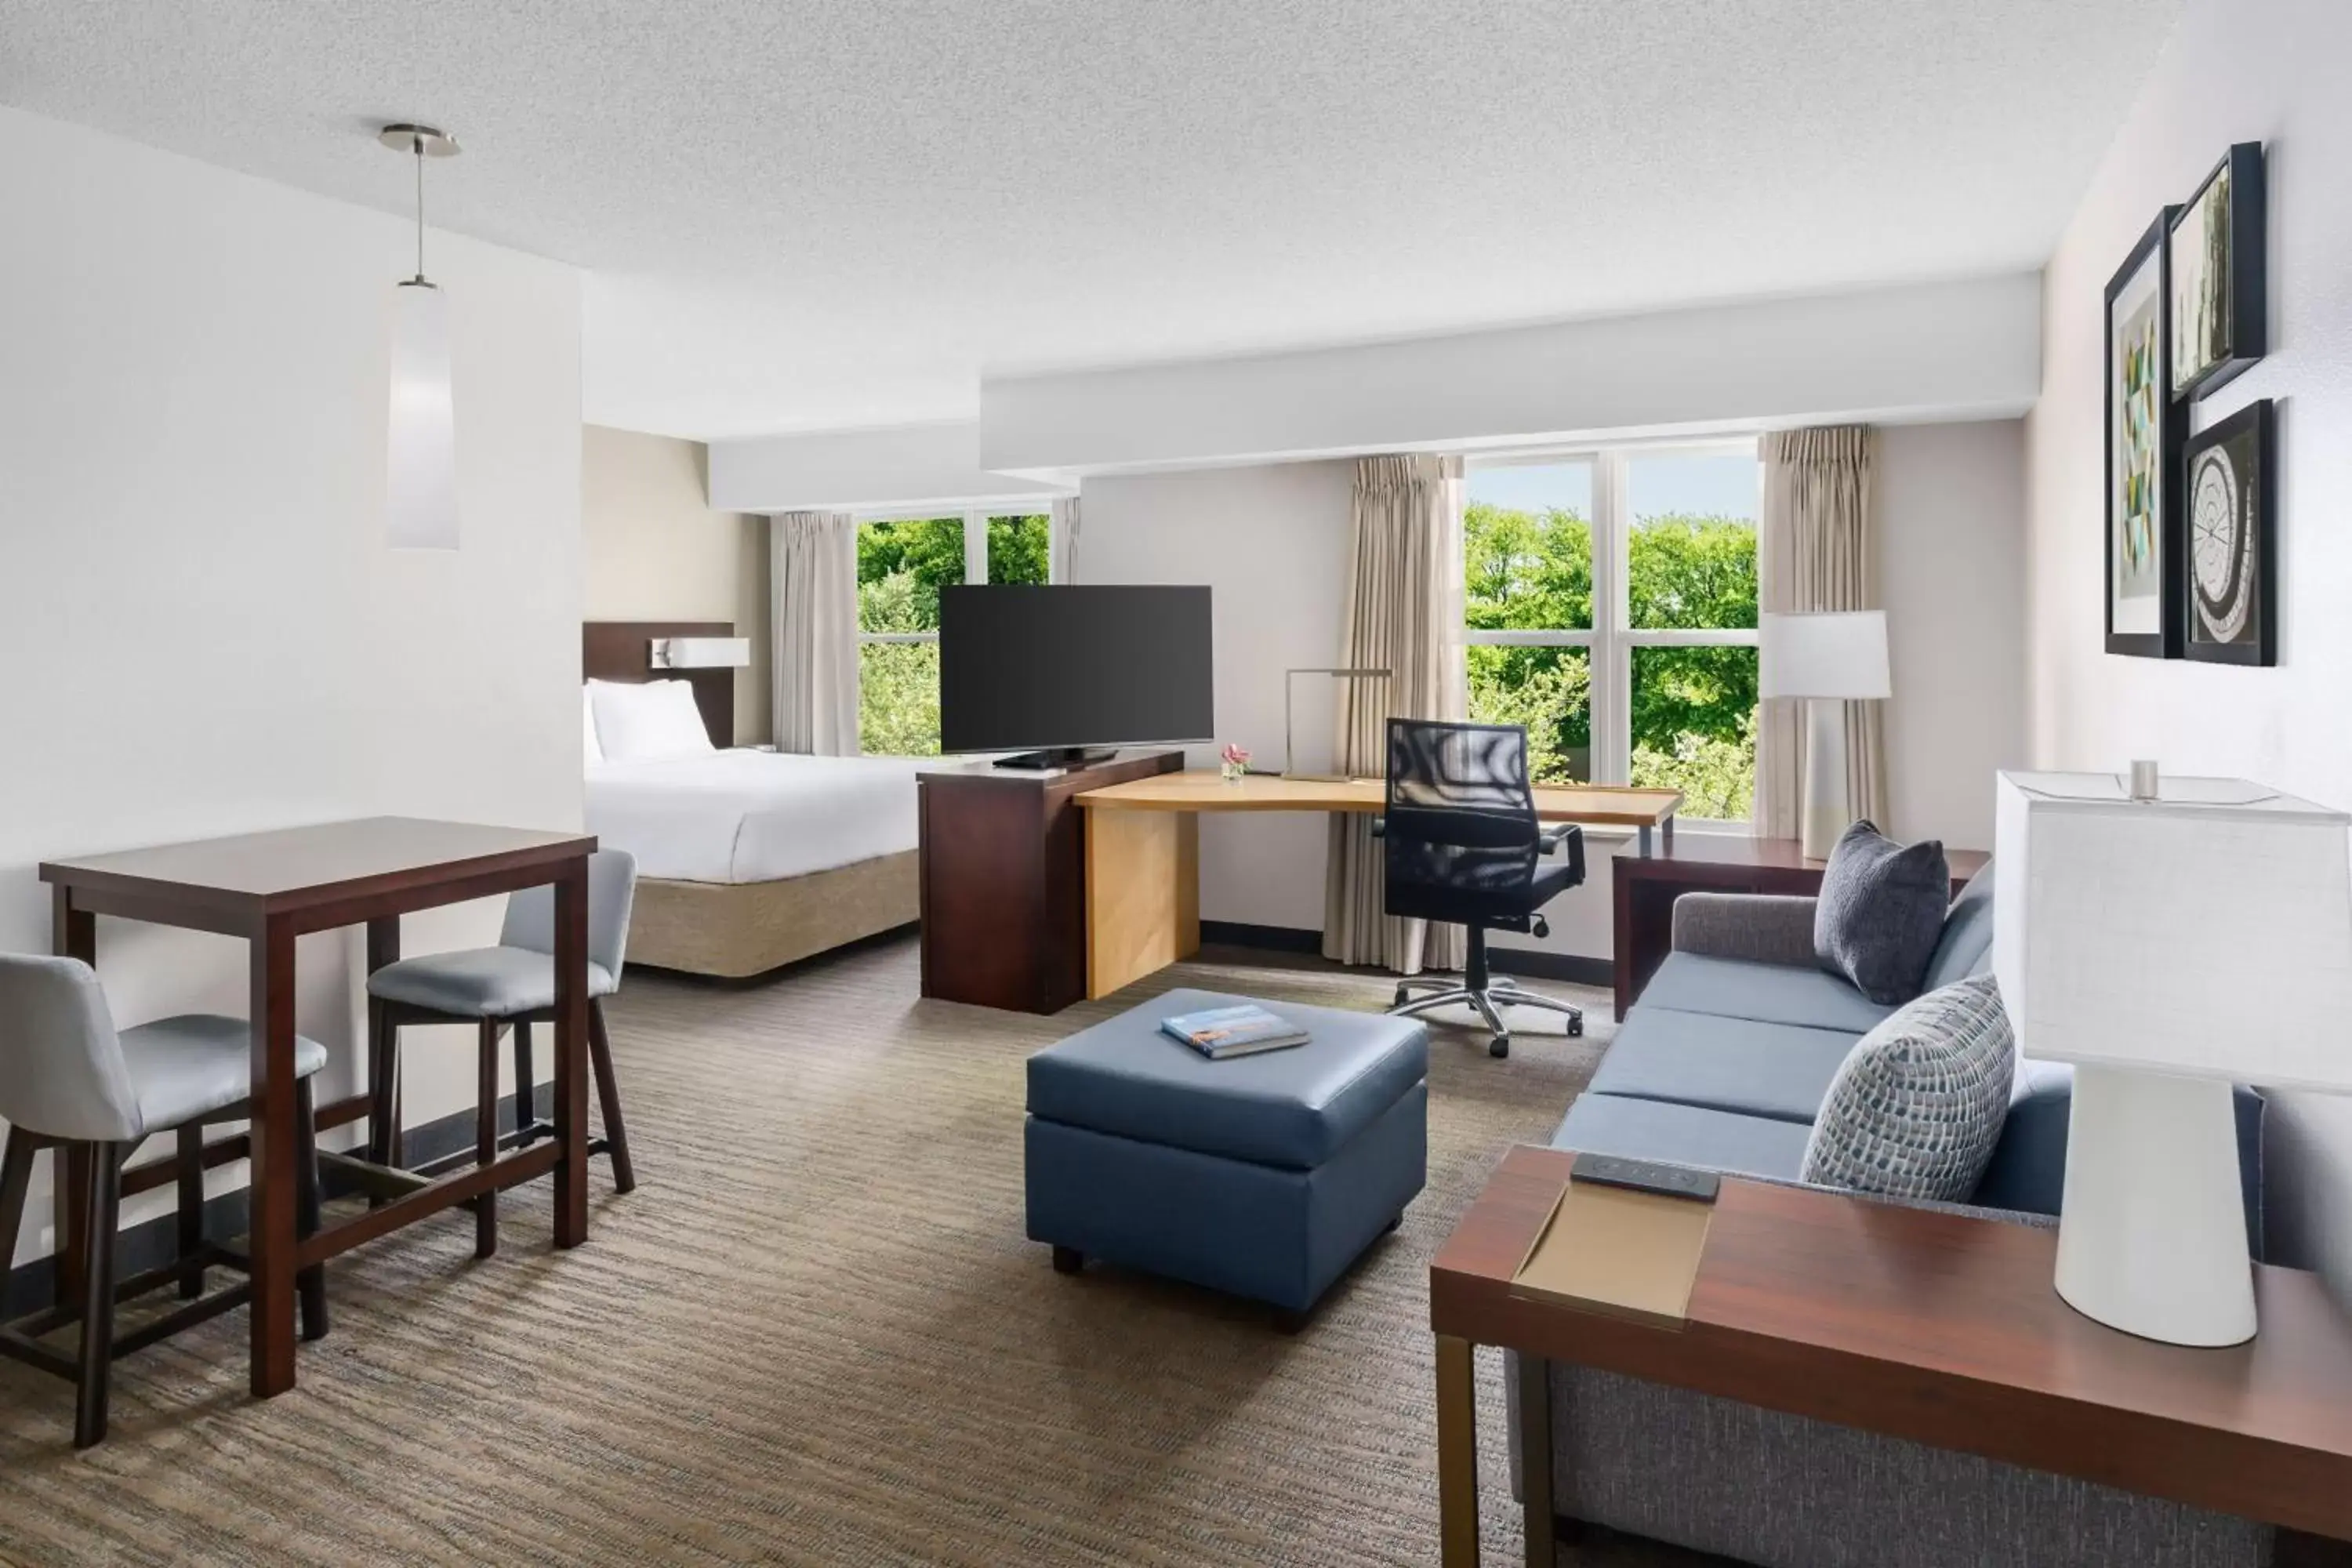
[829,212]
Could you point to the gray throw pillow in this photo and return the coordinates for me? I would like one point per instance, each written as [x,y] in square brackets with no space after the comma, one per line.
[1881,912]
[1918,1103]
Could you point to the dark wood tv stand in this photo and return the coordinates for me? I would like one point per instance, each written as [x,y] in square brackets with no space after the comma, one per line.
[1004,880]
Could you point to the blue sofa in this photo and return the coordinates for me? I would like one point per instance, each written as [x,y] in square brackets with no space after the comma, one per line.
[1723,1064]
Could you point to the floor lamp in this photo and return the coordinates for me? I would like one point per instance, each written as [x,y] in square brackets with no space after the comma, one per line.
[1827,659]
[2169,939]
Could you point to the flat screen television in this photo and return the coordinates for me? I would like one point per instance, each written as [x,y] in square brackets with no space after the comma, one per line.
[1062,673]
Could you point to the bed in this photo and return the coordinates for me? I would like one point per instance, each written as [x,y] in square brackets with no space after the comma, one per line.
[748,859]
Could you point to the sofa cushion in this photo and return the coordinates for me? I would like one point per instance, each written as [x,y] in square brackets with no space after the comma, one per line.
[1917,1106]
[1966,947]
[1881,912]
[2028,1172]
[1293,1109]
[1683,1135]
[1780,1070]
[1768,993]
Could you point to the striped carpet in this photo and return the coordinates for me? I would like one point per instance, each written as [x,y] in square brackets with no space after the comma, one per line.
[815,1334]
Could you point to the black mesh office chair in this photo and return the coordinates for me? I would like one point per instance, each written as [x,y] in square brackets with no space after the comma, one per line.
[1463,846]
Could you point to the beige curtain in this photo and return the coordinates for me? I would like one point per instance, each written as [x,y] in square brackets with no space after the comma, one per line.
[1063,539]
[812,596]
[1404,616]
[1818,550]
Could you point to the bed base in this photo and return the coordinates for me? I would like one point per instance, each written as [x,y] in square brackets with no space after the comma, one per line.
[736,929]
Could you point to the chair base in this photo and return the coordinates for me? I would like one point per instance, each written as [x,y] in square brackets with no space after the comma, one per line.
[1486,992]
[92,1176]
[385,1020]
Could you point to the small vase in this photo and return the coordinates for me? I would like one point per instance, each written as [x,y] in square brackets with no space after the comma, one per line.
[1234,773]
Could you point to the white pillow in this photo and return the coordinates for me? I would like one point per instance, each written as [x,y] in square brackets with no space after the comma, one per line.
[591,752]
[649,722]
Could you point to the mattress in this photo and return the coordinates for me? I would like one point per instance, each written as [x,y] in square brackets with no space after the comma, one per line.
[754,816]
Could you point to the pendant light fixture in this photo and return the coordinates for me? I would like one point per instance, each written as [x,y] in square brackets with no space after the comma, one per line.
[421,471]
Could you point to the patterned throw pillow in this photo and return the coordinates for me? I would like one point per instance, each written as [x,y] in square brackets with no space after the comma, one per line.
[1881,912]
[1918,1103]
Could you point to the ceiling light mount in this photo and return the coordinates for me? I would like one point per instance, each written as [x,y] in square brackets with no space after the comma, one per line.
[421,140]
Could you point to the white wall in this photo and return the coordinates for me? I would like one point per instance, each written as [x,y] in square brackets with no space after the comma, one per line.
[1273,544]
[1951,518]
[1940,351]
[2271,71]
[655,551]
[902,464]
[204,631]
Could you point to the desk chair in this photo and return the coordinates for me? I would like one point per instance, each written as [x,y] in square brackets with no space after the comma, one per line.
[492,988]
[68,1083]
[1462,845]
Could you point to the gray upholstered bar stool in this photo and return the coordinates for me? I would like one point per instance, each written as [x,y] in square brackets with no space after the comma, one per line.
[492,988]
[70,1083]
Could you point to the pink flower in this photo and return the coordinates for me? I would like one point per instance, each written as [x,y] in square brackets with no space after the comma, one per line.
[1238,755]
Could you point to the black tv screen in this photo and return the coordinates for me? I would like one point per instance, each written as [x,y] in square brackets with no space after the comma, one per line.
[1051,668]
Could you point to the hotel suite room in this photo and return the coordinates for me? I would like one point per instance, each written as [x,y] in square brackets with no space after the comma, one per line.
[573,1043]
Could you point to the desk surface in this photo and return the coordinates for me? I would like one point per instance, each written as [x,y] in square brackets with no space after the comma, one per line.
[1944,1329]
[292,868]
[1201,790]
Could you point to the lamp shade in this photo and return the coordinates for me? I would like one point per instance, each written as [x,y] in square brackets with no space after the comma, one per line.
[2206,932]
[1831,653]
[421,451]
[702,653]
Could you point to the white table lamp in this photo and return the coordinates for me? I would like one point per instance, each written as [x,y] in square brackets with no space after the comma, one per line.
[1828,658]
[2169,947]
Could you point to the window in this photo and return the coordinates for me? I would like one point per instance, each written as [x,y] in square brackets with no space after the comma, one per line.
[902,564]
[1610,608]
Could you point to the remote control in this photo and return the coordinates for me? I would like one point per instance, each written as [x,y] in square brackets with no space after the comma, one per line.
[1643,1176]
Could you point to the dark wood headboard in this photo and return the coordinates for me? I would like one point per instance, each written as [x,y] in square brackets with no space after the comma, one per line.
[623,650]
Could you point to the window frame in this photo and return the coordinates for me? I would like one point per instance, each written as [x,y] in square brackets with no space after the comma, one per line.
[975,516]
[1612,640]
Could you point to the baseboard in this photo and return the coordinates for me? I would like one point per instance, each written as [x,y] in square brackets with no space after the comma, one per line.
[152,1243]
[1266,939]
[1574,968]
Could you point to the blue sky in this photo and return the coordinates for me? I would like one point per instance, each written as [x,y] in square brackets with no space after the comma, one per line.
[1725,486]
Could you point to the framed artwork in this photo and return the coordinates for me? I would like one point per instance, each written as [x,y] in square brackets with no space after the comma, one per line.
[2228,498]
[2144,602]
[2220,321]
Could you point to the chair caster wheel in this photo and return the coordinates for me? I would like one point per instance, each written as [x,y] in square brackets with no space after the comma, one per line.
[1402,996]
[1575,1026]
[1068,1260]
[1500,1046]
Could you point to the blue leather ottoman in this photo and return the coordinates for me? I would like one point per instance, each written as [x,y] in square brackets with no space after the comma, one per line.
[1264,1176]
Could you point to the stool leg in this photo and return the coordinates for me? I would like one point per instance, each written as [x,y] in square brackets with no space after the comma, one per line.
[191,1174]
[486,1139]
[311,1285]
[105,1167]
[608,1092]
[526,1105]
[15,1183]
[384,1086]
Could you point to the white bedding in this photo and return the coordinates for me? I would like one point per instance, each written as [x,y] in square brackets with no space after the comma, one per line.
[754,816]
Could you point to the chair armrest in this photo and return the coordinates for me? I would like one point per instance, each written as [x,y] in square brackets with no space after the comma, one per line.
[1553,837]
[1379,827]
[1759,928]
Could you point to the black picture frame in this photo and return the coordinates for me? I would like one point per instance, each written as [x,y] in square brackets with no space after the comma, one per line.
[2231,240]
[2230,488]
[2157,625]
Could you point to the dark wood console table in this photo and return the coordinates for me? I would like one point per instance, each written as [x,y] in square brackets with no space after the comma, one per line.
[1646,887]
[1939,1328]
[1004,880]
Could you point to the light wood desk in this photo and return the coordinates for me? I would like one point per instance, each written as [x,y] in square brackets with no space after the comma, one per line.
[1143,851]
